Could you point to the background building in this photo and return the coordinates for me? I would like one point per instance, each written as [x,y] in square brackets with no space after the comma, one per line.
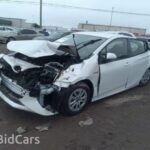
[94,27]
[15,22]
[21,23]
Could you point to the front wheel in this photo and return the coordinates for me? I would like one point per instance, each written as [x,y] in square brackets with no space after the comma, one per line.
[75,99]
[146,78]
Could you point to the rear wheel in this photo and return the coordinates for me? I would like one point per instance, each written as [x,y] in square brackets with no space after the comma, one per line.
[146,78]
[75,99]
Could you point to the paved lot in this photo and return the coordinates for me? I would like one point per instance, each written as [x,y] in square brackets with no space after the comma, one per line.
[121,122]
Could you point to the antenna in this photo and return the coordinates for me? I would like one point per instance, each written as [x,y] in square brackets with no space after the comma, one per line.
[74,41]
[75,44]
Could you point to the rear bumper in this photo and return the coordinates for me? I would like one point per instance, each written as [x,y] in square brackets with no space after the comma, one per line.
[25,102]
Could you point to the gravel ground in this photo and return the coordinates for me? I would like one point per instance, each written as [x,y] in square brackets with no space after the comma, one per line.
[3,48]
[121,122]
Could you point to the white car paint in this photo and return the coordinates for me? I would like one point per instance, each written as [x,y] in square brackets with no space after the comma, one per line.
[14,62]
[114,77]
[35,48]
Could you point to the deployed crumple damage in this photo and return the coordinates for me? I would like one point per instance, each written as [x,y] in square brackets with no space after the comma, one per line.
[17,62]
[74,74]
[34,83]
[34,48]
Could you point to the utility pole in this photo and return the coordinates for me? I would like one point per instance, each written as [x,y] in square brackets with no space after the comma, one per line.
[41,13]
[111,18]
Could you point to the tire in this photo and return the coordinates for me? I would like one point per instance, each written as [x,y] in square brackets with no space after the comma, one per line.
[146,78]
[10,39]
[72,103]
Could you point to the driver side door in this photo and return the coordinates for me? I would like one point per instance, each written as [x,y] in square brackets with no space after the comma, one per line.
[114,73]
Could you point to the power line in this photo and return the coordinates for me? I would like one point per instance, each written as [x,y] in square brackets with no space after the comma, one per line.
[77,7]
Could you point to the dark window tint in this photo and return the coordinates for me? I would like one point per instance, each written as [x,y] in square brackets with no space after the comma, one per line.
[118,47]
[136,47]
[27,32]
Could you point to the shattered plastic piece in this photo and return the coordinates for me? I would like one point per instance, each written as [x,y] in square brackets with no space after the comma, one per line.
[43,127]
[88,122]
[21,130]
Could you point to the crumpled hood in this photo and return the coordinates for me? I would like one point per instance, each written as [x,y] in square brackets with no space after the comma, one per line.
[34,48]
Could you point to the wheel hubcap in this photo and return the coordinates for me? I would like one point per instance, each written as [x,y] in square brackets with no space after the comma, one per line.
[77,99]
[146,77]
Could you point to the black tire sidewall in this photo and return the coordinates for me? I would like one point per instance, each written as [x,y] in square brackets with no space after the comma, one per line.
[141,83]
[65,98]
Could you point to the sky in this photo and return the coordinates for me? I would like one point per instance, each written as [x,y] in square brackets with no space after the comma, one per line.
[68,17]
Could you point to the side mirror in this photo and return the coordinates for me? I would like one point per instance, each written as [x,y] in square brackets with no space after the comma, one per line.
[106,57]
[111,56]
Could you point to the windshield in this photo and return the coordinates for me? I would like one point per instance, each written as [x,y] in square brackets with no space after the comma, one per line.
[57,35]
[86,44]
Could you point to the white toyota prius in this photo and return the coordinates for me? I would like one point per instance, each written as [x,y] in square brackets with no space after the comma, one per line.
[64,76]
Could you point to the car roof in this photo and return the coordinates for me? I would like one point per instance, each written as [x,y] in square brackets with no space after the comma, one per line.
[107,34]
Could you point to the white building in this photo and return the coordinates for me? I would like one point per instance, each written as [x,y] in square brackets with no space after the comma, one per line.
[15,22]
[94,27]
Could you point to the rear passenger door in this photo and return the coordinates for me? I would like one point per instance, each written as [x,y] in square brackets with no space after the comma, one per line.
[138,63]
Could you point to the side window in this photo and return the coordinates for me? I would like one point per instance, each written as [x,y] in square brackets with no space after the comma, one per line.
[28,32]
[118,47]
[136,47]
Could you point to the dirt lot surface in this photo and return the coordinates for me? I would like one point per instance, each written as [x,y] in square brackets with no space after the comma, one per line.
[121,122]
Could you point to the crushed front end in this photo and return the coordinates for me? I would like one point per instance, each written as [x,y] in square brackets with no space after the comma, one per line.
[29,86]
[26,89]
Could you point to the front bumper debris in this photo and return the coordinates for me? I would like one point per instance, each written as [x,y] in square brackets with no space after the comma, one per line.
[19,98]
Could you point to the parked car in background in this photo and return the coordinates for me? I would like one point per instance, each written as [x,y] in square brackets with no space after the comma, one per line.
[125,33]
[145,38]
[7,34]
[44,32]
[54,36]
[26,34]
[47,77]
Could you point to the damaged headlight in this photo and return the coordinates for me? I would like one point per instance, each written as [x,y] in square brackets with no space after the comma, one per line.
[17,69]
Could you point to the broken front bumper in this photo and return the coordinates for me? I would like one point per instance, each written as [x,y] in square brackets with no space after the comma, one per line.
[19,98]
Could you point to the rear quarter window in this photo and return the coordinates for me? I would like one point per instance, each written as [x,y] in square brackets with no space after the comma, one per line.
[137,47]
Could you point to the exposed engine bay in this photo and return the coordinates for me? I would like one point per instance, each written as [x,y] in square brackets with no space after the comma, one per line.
[34,75]
[45,72]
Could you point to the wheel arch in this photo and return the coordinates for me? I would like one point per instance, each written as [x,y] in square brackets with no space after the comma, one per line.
[90,84]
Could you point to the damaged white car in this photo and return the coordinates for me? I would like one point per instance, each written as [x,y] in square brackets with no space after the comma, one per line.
[47,78]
